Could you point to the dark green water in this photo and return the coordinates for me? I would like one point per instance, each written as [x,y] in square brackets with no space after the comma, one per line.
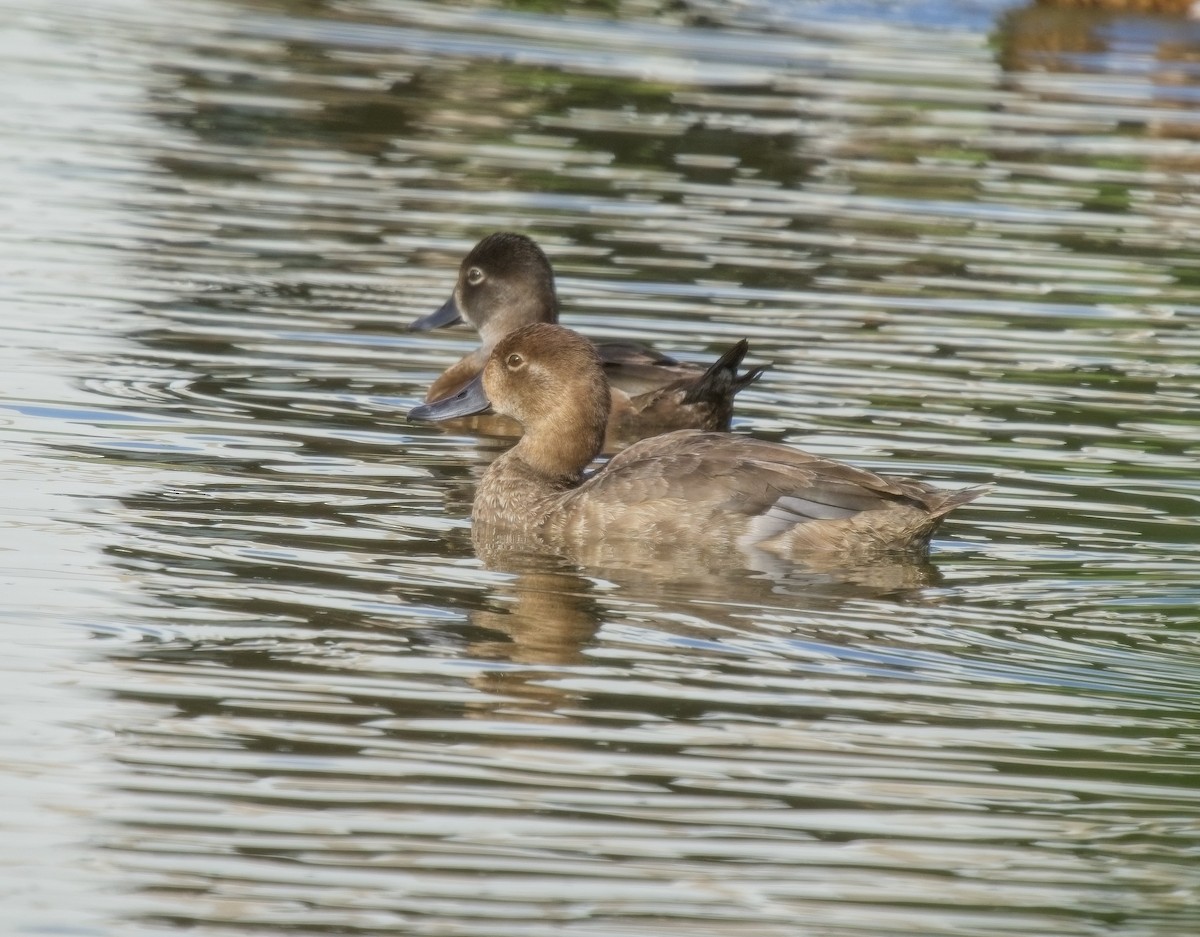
[257,681]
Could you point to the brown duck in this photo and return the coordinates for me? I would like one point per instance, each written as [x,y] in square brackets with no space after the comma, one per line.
[506,282]
[733,492]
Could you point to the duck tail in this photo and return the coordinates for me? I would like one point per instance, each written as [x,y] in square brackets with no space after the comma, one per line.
[722,380]
[946,501]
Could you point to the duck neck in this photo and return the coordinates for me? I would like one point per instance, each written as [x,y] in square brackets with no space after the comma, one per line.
[559,459]
[551,456]
[518,312]
[454,377]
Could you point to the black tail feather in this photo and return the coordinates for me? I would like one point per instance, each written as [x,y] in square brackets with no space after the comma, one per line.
[722,379]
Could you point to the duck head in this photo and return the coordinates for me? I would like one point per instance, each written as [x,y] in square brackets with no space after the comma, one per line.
[505,282]
[552,382]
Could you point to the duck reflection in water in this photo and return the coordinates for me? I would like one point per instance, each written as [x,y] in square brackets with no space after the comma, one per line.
[506,282]
[686,499]
[540,622]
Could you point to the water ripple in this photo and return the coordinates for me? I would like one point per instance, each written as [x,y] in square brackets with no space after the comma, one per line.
[964,240]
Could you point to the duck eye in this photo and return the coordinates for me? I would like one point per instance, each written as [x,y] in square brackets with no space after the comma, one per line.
[474,276]
[514,361]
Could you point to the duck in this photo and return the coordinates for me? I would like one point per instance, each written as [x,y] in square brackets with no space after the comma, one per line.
[1187,7]
[734,493]
[506,282]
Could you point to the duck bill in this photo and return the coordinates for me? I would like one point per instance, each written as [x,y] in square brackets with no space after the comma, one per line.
[470,400]
[448,314]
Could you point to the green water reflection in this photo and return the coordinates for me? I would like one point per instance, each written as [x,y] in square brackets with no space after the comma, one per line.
[315,705]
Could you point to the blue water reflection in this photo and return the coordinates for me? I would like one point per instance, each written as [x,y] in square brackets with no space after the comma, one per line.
[263,681]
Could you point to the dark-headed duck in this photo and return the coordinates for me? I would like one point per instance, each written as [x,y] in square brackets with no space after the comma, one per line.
[506,282]
[737,492]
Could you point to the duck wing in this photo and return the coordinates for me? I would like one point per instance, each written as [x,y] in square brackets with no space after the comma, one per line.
[633,368]
[761,491]
[700,400]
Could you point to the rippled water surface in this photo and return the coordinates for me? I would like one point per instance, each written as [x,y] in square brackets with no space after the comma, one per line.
[256,680]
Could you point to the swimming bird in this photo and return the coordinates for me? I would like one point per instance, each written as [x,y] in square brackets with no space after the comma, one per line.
[1188,7]
[733,493]
[506,281]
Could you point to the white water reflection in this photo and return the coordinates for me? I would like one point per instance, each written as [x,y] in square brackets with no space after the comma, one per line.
[263,683]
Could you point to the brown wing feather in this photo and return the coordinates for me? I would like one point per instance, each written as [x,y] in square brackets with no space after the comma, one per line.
[637,369]
[773,488]
[701,400]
